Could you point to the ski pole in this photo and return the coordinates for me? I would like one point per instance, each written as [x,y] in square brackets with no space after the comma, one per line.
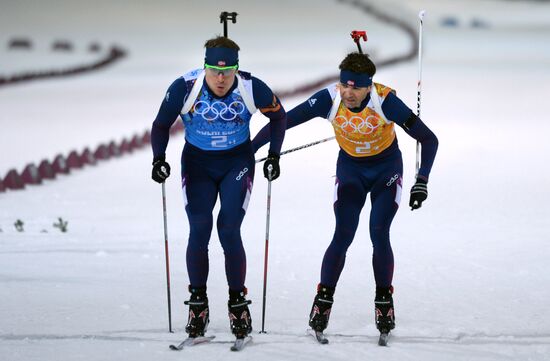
[419,84]
[300,147]
[224,16]
[166,257]
[268,213]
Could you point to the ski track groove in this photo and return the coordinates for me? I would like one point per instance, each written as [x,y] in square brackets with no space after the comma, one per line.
[461,339]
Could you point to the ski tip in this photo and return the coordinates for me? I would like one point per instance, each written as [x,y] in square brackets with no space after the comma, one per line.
[240,343]
[383,340]
[318,335]
[191,341]
[321,338]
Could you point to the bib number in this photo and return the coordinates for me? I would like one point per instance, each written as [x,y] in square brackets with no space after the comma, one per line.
[219,141]
[363,149]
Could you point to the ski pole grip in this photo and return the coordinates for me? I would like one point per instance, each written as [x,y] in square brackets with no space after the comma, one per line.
[421,14]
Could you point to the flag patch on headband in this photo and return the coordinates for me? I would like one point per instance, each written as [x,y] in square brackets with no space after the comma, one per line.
[221,63]
[351,83]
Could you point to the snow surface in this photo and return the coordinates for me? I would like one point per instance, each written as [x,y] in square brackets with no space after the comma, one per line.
[471,276]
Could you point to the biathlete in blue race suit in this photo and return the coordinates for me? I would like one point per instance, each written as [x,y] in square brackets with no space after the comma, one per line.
[363,114]
[216,104]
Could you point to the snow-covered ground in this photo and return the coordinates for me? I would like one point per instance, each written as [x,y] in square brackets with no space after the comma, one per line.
[471,277]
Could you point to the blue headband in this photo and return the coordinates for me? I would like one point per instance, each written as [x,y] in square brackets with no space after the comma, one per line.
[221,57]
[359,80]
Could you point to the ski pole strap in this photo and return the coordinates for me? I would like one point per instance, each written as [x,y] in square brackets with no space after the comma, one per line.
[300,147]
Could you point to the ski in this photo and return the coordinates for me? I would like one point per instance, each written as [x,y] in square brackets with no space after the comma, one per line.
[191,341]
[319,336]
[240,343]
[383,340]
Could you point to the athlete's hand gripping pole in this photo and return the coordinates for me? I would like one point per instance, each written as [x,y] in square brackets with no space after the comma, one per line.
[357,35]
[224,16]
[268,213]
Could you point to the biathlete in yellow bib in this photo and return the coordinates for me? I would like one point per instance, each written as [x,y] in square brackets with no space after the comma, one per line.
[363,114]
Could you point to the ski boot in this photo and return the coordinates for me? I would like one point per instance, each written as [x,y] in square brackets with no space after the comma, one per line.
[199,316]
[239,314]
[320,311]
[384,313]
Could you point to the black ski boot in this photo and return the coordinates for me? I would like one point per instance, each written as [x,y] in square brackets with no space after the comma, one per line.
[320,311]
[384,313]
[239,314]
[199,315]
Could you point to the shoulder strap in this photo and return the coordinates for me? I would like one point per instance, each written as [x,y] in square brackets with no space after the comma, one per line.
[246,95]
[335,105]
[193,94]
[376,103]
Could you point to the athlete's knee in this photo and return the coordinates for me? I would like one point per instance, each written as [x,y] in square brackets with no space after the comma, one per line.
[230,237]
[343,237]
[229,223]
[228,233]
[379,227]
[200,226]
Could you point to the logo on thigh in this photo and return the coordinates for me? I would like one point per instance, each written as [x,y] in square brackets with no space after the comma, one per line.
[392,180]
[242,173]
[396,179]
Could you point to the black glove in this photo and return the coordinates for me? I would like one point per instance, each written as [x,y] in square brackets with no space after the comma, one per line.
[161,169]
[419,193]
[273,161]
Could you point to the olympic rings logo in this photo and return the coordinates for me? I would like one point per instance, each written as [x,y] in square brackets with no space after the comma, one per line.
[218,109]
[356,124]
